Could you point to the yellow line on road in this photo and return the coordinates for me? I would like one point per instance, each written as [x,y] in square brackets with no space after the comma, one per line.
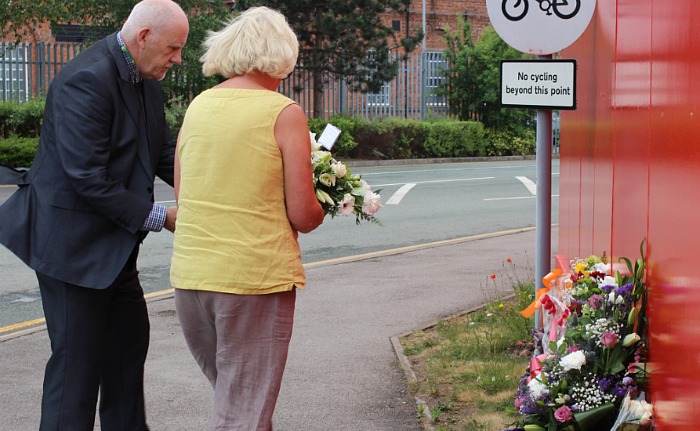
[168,292]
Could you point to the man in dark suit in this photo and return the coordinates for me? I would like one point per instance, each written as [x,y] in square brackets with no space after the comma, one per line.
[85,206]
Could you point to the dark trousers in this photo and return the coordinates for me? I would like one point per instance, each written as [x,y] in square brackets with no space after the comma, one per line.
[99,340]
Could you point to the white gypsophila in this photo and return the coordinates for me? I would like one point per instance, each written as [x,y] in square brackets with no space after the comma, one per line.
[596,329]
[587,394]
[537,388]
[573,361]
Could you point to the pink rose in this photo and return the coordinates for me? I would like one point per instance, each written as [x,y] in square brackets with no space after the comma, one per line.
[563,414]
[595,301]
[609,339]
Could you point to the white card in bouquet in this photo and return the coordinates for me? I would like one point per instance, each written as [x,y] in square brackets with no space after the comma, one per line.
[329,136]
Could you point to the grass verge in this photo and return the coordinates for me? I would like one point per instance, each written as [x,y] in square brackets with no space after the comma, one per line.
[467,367]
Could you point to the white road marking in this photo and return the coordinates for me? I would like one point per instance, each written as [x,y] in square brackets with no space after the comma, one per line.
[529,184]
[374,186]
[514,198]
[400,193]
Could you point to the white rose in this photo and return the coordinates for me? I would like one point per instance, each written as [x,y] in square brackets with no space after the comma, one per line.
[339,169]
[537,388]
[371,203]
[574,360]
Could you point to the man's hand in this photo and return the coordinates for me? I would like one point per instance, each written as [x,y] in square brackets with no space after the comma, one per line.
[170,217]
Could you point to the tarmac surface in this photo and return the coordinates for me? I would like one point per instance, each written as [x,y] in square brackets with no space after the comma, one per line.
[343,372]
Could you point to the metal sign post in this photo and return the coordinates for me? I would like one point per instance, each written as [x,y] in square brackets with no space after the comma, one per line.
[541,29]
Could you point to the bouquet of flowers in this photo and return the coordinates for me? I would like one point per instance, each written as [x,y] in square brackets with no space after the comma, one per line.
[589,370]
[338,190]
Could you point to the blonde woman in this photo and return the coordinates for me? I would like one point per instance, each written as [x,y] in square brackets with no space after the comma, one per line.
[244,191]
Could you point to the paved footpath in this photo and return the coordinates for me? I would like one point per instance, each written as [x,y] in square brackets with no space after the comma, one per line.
[342,373]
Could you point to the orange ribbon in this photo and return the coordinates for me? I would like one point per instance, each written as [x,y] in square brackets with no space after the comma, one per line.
[547,281]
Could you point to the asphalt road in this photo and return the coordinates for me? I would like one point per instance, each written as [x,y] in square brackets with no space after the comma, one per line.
[422,203]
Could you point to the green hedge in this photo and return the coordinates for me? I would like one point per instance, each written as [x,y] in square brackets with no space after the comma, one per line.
[360,139]
[18,152]
[21,119]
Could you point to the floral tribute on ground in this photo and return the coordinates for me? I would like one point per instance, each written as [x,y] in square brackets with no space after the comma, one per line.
[588,372]
[338,190]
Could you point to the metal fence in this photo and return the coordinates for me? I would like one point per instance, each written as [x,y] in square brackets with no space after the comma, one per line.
[26,70]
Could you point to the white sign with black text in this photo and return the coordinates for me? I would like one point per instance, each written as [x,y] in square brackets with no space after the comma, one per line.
[541,84]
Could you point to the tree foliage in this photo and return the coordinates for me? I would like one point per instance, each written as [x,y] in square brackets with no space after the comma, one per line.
[472,82]
[25,19]
[341,38]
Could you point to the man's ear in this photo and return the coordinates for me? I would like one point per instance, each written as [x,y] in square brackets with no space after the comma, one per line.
[141,36]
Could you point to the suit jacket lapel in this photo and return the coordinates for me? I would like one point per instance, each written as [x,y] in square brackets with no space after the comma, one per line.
[133,104]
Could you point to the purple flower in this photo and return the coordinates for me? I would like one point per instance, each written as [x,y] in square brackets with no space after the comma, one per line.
[604,384]
[625,290]
[607,288]
[563,414]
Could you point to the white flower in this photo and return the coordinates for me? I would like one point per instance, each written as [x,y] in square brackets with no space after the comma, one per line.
[609,281]
[574,360]
[615,299]
[327,179]
[339,169]
[631,339]
[601,267]
[371,203]
[641,410]
[537,388]
[347,205]
[315,146]
[364,185]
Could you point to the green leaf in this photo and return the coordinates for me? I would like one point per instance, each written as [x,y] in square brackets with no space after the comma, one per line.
[588,420]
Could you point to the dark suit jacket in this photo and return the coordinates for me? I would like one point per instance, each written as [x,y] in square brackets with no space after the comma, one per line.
[90,187]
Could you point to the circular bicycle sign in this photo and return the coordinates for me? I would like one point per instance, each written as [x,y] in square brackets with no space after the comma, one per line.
[540,27]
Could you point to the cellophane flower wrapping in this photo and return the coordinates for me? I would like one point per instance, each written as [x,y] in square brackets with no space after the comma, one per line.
[589,370]
[339,191]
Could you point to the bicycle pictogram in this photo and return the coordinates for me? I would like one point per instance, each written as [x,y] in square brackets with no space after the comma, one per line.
[564,9]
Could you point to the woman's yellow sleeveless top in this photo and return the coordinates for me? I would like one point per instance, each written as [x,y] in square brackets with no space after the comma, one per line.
[232,233]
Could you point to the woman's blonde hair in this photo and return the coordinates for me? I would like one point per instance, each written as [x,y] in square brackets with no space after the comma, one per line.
[259,39]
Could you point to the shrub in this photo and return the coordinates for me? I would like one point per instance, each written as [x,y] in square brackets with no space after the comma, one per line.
[455,139]
[18,152]
[508,143]
[21,119]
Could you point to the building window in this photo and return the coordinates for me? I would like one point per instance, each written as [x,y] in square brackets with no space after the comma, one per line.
[379,99]
[434,78]
[396,25]
[13,73]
